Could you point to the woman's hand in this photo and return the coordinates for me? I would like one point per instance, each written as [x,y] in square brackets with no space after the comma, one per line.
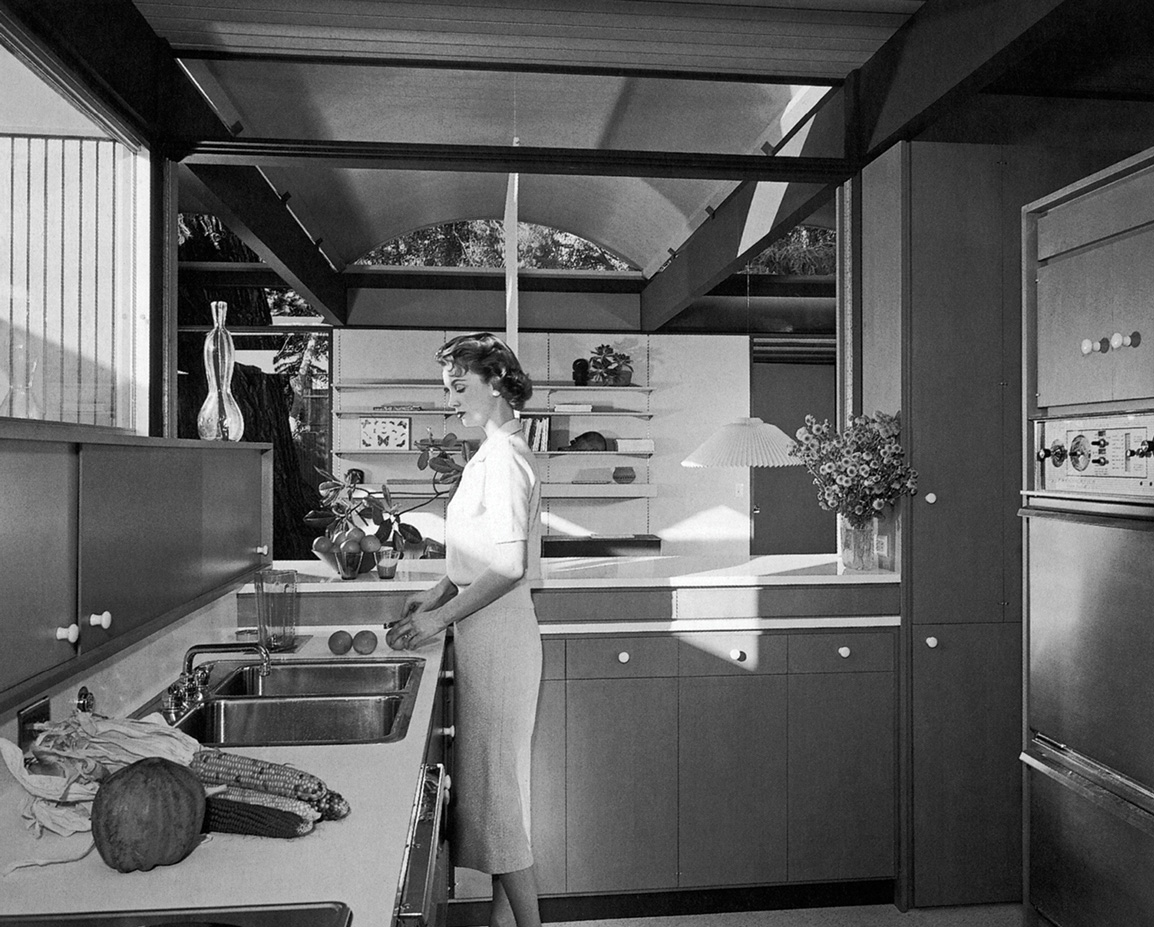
[415,628]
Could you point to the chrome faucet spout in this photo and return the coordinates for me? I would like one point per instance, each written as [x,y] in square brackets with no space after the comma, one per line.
[259,649]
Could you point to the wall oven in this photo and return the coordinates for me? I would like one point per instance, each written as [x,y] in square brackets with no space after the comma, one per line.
[1089,745]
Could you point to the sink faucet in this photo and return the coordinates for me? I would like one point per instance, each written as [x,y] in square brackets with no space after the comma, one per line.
[259,649]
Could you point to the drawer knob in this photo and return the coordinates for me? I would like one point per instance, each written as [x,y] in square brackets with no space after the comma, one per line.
[738,655]
[447,732]
[623,657]
[262,550]
[103,620]
[843,652]
[70,633]
[931,642]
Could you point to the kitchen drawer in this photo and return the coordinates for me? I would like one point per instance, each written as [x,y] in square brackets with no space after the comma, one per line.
[731,653]
[620,657]
[553,659]
[848,652]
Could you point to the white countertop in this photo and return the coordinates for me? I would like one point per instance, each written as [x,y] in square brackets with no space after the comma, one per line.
[608,572]
[356,860]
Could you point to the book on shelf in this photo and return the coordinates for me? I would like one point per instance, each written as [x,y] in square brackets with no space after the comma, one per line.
[535,428]
[573,407]
[635,445]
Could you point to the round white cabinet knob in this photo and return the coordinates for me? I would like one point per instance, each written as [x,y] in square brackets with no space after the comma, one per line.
[738,655]
[623,657]
[263,550]
[103,620]
[931,642]
[1087,346]
[843,652]
[450,732]
[931,498]
[70,633]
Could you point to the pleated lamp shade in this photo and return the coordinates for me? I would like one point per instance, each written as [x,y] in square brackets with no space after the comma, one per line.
[747,442]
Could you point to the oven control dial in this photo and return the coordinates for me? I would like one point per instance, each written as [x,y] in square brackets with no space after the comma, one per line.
[1056,452]
[1144,449]
[1080,453]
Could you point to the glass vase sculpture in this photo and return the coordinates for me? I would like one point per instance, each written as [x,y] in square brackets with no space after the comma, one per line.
[857,546]
[220,418]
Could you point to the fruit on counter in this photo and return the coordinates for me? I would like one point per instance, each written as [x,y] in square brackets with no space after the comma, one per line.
[148,814]
[370,543]
[365,642]
[349,546]
[354,534]
[340,642]
[323,544]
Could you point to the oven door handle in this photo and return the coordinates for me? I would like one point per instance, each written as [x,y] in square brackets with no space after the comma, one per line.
[1129,520]
[419,869]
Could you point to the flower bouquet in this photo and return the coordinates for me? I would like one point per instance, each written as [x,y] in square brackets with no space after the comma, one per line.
[857,472]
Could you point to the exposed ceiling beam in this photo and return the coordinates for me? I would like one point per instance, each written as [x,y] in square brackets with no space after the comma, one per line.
[751,218]
[117,60]
[943,55]
[502,159]
[243,199]
[950,50]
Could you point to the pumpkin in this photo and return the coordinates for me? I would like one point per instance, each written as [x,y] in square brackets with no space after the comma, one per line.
[148,814]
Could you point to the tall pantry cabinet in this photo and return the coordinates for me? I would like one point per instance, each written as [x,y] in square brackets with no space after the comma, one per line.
[941,243]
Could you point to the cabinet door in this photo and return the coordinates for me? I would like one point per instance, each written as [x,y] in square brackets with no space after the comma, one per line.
[732,771]
[621,784]
[967,785]
[841,776]
[1070,310]
[548,788]
[38,584]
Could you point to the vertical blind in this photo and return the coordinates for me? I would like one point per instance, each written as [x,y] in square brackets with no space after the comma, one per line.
[73,281]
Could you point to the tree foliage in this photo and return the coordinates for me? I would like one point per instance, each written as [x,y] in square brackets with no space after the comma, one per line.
[481,243]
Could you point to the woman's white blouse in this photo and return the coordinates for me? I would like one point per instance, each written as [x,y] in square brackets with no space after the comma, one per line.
[497,501]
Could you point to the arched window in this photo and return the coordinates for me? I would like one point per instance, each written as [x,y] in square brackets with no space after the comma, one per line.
[481,243]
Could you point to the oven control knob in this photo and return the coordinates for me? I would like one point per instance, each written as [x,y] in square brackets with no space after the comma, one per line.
[1144,449]
[1056,452]
[1099,461]
[1079,453]
[1100,442]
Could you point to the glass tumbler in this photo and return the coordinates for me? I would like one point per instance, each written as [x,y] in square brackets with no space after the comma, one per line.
[276,608]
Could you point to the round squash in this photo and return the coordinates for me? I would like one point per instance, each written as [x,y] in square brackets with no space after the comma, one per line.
[148,814]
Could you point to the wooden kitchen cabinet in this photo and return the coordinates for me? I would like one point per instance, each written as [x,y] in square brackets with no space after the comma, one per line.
[122,530]
[38,583]
[732,768]
[621,764]
[548,771]
[966,732]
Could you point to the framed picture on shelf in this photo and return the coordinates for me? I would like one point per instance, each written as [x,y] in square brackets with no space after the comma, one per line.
[386,433]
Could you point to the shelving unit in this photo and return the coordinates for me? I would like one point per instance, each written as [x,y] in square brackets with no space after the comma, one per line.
[553,487]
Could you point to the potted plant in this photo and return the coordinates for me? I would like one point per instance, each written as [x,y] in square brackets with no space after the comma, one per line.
[858,474]
[611,367]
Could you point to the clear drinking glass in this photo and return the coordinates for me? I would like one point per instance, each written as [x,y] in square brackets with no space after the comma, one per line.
[277,605]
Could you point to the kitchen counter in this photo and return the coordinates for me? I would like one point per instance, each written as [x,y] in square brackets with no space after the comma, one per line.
[356,860]
[608,572]
[636,594]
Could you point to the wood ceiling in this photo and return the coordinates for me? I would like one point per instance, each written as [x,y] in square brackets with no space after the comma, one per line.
[668,131]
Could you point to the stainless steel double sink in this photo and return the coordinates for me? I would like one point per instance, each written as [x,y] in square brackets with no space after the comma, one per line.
[306,702]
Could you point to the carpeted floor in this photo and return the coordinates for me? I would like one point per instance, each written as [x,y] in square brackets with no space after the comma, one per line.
[855,916]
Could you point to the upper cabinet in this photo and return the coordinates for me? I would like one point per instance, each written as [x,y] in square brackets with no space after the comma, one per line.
[1089,289]
[119,536]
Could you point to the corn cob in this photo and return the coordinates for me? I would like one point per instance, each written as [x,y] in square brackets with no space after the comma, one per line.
[224,816]
[217,767]
[332,806]
[253,797]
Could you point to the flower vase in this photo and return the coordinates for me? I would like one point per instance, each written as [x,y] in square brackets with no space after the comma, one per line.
[857,546]
[220,418]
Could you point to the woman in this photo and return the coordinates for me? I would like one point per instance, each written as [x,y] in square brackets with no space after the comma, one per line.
[493,544]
